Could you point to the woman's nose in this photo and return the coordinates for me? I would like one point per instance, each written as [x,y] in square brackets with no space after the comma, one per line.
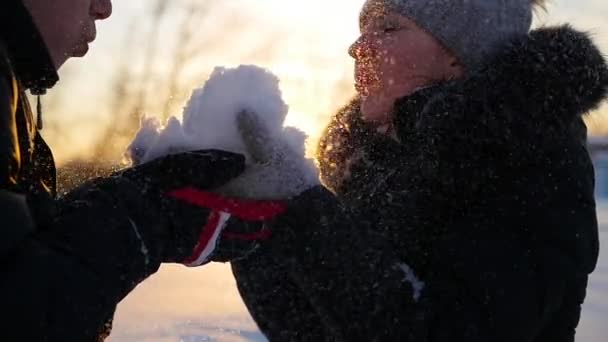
[101,9]
[360,48]
[354,49]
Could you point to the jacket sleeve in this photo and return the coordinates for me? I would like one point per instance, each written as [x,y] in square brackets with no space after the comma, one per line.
[63,281]
[348,272]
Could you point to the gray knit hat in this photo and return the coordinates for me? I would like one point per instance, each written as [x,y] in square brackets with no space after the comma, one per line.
[472,29]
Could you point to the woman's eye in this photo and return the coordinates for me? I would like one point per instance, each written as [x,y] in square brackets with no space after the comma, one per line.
[390,29]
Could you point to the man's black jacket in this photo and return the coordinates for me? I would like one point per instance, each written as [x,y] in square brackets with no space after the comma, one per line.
[64,263]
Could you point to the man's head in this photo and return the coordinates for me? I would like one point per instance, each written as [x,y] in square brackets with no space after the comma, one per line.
[68,26]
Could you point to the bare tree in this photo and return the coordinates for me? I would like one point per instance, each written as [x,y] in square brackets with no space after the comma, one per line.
[126,108]
[186,48]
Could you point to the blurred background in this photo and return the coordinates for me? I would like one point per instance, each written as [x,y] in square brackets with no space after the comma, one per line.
[150,55]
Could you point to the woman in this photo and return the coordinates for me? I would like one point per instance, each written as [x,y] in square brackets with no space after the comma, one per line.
[463,165]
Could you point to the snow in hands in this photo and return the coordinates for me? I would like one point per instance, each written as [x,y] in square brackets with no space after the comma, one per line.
[238,110]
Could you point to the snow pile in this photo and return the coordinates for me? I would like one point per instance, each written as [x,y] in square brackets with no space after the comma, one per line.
[209,121]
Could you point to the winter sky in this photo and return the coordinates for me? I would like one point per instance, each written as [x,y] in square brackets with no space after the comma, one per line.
[304,42]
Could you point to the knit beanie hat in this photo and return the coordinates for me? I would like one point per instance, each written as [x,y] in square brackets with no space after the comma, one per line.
[472,29]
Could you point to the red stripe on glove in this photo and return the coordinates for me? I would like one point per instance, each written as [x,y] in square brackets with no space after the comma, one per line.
[213,223]
[243,209]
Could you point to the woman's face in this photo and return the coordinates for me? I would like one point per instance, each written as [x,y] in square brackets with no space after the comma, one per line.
[393,58]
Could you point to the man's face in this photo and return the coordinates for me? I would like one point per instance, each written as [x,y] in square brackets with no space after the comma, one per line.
[68,26]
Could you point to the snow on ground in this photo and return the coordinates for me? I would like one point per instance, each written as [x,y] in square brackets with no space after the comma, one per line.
[186,305]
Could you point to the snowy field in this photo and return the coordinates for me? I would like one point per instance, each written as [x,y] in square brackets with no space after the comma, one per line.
[198,305]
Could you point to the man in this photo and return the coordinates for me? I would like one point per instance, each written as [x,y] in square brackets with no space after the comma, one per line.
[65,263]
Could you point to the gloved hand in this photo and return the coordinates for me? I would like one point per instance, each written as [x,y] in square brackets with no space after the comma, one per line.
[202,226]
[205,169]
[313,210]
[278,171]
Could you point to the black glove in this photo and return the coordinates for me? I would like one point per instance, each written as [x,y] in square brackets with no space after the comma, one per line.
[202,226]
[205,169]
[304,219]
